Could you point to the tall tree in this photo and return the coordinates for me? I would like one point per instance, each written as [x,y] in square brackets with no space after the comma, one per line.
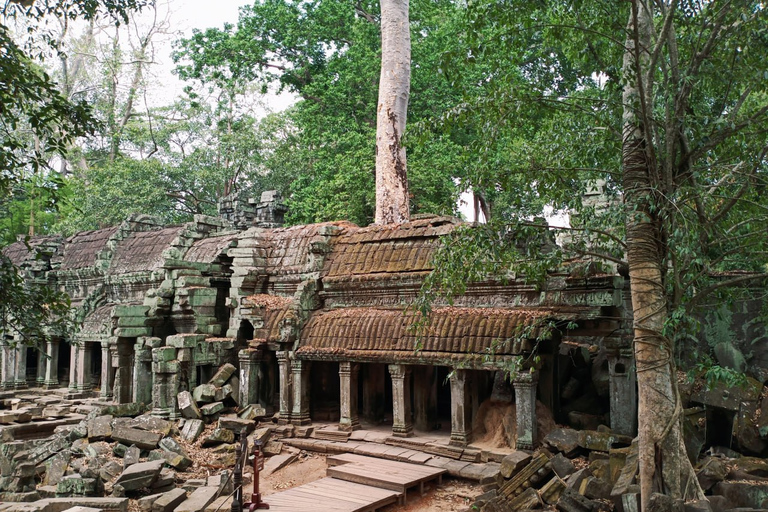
[392,204]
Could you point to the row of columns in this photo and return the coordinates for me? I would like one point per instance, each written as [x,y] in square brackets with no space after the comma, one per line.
[13,369]
[294,396]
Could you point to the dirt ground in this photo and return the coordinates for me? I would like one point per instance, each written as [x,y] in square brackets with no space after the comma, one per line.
[452,496]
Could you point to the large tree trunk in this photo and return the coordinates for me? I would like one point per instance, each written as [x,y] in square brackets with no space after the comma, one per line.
[394,88]
[663,464]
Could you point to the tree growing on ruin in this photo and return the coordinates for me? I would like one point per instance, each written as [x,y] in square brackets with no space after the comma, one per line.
[392,203]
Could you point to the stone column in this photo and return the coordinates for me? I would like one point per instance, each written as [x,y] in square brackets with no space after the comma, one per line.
[300,413]
[286,390]
[402,423]
[107,371]
[460,408]
[623,391]
[250,375]
[142,373]
[21,366]
[348,374]
[525,402]
[8,370]
[122,361]
[51,362]
[74,367]
[83,365]
[165,369]
[40,377]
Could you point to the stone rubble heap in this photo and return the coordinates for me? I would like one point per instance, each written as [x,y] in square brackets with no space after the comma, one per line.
[596,471]
[117,452]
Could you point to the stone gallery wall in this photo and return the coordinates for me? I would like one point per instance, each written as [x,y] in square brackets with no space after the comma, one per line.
[315,319]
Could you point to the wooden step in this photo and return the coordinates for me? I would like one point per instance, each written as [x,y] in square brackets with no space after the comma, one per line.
[331,495]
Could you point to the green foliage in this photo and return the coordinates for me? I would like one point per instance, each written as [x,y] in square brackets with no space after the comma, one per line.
[31,311]
[715,375]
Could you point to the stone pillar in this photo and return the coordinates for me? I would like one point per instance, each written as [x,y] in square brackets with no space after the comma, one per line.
[165,369]
[623,391]
[107,371]
[40,377]
[142,373]
[348,374]
[250,375]
[402,424]
[83,365]
[525,402]
[122,361]
[460,408]
[51,362]
[286,390]
[74,367]
[8,370]
[300,372]
[21,367]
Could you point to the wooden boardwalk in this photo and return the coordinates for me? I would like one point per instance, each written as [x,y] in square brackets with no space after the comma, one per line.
[386,474]
[331,495]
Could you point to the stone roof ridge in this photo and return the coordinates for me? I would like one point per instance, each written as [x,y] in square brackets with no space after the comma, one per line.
[27,249]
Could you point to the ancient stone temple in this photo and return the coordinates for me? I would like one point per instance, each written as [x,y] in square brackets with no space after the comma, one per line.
[316,321]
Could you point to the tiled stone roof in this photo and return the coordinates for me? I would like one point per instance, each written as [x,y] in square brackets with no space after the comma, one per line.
[143,251]
[288,250]
[273,310]
[80,250]
[208,249]
[99,321]
[491,331]
[388,248]
[18,252]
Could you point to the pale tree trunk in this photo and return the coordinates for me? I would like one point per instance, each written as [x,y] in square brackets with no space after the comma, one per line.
[663,464]
[394,88]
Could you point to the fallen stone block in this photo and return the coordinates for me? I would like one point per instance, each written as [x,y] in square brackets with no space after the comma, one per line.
[602,441]
[204,393]
[565,440]
[278,462]
[142,438]
[710,471]
[169,501]
[166,478]
[551,491]
[100,428]
[110,471]
[513,462]
[192,430]
[132,455]
[222,375]
[742,494]
[528,499]
[177,460]
[595,489]
[76,485]
[237,425]
[171,445]
[62,504]
[212,408]
[572,501]
[152,424]
[562,467]
[55,411]
[219,436]
[272,448]
[253,412]
[198,500]
[260,436]
[187,406]
[125,410]
[140,475]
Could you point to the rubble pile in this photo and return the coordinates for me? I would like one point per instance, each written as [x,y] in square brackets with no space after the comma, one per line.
[120,452]
[594,471]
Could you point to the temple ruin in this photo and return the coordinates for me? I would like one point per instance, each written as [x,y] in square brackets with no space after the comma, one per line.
[316,320]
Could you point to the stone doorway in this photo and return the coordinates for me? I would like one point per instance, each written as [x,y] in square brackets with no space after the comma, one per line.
[375,394]
[325,391]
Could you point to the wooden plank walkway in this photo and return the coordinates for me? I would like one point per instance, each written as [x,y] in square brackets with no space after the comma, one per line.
[331,495]
[386,474]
